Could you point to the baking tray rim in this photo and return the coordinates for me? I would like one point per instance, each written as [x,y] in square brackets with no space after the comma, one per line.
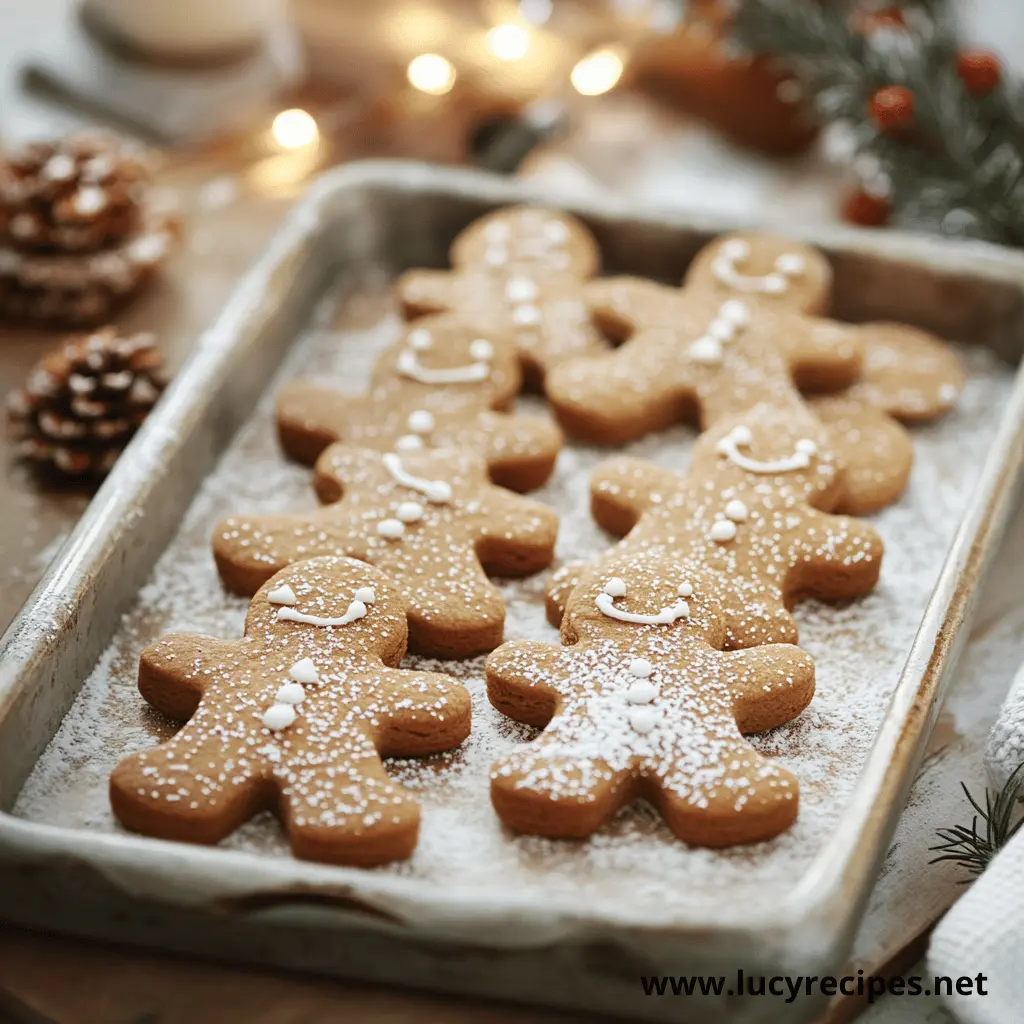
[840,874]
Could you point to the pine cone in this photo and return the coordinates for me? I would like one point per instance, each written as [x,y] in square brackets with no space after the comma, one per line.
[79,233]
[83,402]
[79,194]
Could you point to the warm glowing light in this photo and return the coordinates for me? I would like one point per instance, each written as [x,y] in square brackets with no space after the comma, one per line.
[597,72]
[432,73]
[294,129]
[508,42]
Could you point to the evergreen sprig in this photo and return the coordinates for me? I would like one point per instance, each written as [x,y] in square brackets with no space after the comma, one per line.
[960,170]
[972,849]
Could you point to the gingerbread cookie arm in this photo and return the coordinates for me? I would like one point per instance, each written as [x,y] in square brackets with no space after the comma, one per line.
[823,355]
[876,452]
[517,687]
[770,685]
[421,292]
[621,305]
[515,536]
[428,713]
[908,373]
[559,590]
[621,490]
[839,558]
[174,670]
[310,418]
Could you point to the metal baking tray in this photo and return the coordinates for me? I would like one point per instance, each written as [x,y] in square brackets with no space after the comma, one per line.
[227,904]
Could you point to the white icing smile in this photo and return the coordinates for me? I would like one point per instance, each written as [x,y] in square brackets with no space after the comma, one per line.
[725,267]
[356,610]
[409,364]
[740,437]
[437,492]
[617,588]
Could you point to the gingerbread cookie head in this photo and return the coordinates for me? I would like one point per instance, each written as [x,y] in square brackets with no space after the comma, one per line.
[442,361]
[294,717]
[647,707]
[527,239]
[769,270]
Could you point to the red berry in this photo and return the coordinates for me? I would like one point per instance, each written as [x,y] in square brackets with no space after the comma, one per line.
[892,108]
[979,70]
[867,210]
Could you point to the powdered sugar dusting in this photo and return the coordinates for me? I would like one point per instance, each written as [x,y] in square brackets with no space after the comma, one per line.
[859,651]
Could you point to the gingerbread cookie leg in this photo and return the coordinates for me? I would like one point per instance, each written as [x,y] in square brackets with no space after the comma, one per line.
[294,717]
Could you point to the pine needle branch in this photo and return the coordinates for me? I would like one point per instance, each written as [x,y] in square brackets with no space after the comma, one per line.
[972,849]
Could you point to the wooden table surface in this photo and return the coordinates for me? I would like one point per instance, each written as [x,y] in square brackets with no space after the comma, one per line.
[45,978]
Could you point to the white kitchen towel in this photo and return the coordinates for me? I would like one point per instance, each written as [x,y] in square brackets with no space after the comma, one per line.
[984,932]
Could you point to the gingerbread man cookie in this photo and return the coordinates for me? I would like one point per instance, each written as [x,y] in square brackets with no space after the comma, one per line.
[429,519]
[750,509]
[295,717]
[442,385]
[644,703]
[520,271]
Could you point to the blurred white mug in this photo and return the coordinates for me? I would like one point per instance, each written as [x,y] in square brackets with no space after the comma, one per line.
[186,29]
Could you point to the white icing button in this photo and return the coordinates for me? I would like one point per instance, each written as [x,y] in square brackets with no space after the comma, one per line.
[641,692]
[791,264]
[525,315]
[420,421]
[392,529]
[685,590]
[615,587]
[481,350]
[640,668]
[735,249]
[644,719]
[279,716]
[721,330]
[706,350]
[409,512]
[806,446]
[420,339]
[736,511]
[775,283]
[304,671]
[290,693]
[734,312]
[282,595]
[409,443]
[365,594]
[520,289]
[723,530]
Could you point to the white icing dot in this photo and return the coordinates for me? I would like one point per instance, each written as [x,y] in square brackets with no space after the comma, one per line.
[290,693]
[304,671]
[742,435]
[707,351]
[640,668]
[525,315]
[685,590]
[641,692]
[282,595]
[948,393]
[481,350]
[420,339]
[438,491]
[736,511]
[775,283]
[279,716]
[735,249]
[409,512]
[806,446]
[791,264]
[555,231]
[615,587]
[392,529]
[735,312]
[409,443]
[365,594]
[520,289]
[723,530]
[644,719]
[421,421]
[721,330]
